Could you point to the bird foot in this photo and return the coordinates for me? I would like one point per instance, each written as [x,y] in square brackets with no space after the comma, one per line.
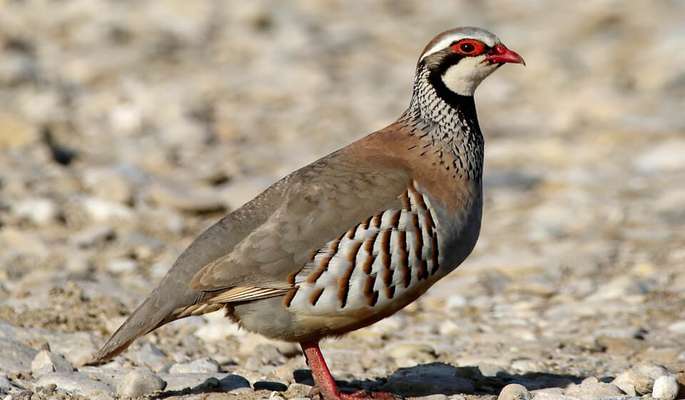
[364,395]
[316,393]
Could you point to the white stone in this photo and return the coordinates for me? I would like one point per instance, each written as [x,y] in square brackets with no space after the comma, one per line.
[40,211]
[677,327]
[140,382]
[665,388]
[514,391]
[103,210]
[667,156]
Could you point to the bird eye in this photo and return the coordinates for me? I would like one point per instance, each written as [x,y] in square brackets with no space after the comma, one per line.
[469,47]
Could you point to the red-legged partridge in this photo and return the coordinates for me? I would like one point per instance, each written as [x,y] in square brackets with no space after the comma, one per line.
[353,237]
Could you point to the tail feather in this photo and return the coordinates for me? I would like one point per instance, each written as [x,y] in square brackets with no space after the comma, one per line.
[154,312]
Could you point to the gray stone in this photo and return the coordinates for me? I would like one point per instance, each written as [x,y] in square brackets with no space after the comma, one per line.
[665,388]
[16,357]
[140,382]
[150,356]
[5,384]
[514,391]
[202,365]
[47,362]
[76,347]
[77,383]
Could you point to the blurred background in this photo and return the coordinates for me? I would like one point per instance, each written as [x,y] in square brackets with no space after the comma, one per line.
[126,127]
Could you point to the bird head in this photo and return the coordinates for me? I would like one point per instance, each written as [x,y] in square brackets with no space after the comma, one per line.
[459,59]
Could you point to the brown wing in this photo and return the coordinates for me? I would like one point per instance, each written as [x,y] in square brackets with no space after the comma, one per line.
[321,202]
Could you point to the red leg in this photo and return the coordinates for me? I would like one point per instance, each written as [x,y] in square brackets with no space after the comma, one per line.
[324,380]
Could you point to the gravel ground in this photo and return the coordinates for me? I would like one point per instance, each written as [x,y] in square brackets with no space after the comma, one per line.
[126,127]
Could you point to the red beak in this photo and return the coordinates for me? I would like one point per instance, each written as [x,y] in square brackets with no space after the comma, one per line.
[500,54]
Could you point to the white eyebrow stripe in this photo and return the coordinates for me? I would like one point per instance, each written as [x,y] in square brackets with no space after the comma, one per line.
[447,40]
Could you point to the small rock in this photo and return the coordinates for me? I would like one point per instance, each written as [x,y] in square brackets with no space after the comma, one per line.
[40,211]
[15,356]
[187,198]
[677,327]
[665,388]
[108,184]
[5,384]
[140,382]
[15,132]
[639,379]
[103,210]
[93,236]
[592,388]
[78,383]
[47,362]
[76,347]
[514,391]
[665,156]
[438,396]
[411,351]
[150,356]
[121,265]
[201,365]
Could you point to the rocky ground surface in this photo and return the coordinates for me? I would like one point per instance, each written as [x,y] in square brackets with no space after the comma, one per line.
[126,127]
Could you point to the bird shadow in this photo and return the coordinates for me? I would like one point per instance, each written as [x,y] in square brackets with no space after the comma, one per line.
[441,378]
[419,380]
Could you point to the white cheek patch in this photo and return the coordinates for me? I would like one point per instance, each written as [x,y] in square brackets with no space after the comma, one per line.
[463,77]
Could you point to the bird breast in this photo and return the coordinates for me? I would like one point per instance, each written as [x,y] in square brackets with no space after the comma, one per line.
[389,258]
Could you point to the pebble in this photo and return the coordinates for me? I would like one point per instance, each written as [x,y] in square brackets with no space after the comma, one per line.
[140,382]
[47,362]
[514,391]
[202,365]
[665,388]
[105,211]
[413,351]
[150,356]
[639,380]
[77,383]
[5,384]
[662,157]
[592,388]
[677,327]
[40,211]
[15,356]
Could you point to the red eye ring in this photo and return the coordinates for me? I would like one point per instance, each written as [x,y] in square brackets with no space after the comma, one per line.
[468,47]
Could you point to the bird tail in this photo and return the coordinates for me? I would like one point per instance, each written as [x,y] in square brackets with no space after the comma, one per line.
[150,315]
